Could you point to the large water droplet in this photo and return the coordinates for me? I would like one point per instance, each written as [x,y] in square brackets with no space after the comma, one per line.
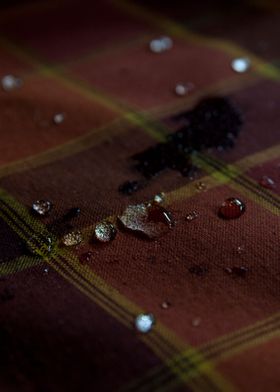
[232,208]
[150,219]
[42,207]
[105,231]
[144,322]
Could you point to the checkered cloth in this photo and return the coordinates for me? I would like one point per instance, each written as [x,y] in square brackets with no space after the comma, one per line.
[69,326]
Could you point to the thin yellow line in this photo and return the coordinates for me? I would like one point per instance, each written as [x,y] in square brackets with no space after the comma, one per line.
[69,148]
[174,29]
[86,287]
[224,342]
[19,264]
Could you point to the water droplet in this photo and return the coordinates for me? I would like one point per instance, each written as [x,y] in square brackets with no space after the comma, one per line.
[232,208]
[58,118]
[73,238]
[105,231]
[10,82]
[46,270]
[240,249]
[228,270]
[198,269]
[144,322]
[165,305]
[196,321]
[241,64]
[267,182]
[129,187]
[161,44]
[191,216]
[86,257]
[201,186]
[150,219]
[182,89]
[159,198]
[42,207]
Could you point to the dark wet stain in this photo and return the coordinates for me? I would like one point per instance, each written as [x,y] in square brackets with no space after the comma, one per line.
[129,187]
[237,271]
[214,123]
[72,213]
[199,270]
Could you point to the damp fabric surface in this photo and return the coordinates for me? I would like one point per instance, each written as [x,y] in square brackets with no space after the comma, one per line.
[139,196]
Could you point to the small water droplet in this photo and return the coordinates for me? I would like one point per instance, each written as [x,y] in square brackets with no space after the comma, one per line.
[241,64]
[228,270]
[46,270]
[240,249]
[150,219]
[42,207]
[10,82]
[161,44]
[105,231]
[267,182]
[201,186]
[182,89]
[58,118]
[73,238]
[86,257]
[129,187]
[165,305]
[159,198]
[144,322]
[232,208]
[196,322]
[191,216]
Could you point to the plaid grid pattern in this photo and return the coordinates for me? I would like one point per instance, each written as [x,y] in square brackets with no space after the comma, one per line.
[82,81]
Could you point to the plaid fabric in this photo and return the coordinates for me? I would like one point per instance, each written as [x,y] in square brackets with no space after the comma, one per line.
[70,326]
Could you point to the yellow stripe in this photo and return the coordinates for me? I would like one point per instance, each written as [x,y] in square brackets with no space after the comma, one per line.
[70,273]
[243,342]
[19,264]
[176,30]
[75,146]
